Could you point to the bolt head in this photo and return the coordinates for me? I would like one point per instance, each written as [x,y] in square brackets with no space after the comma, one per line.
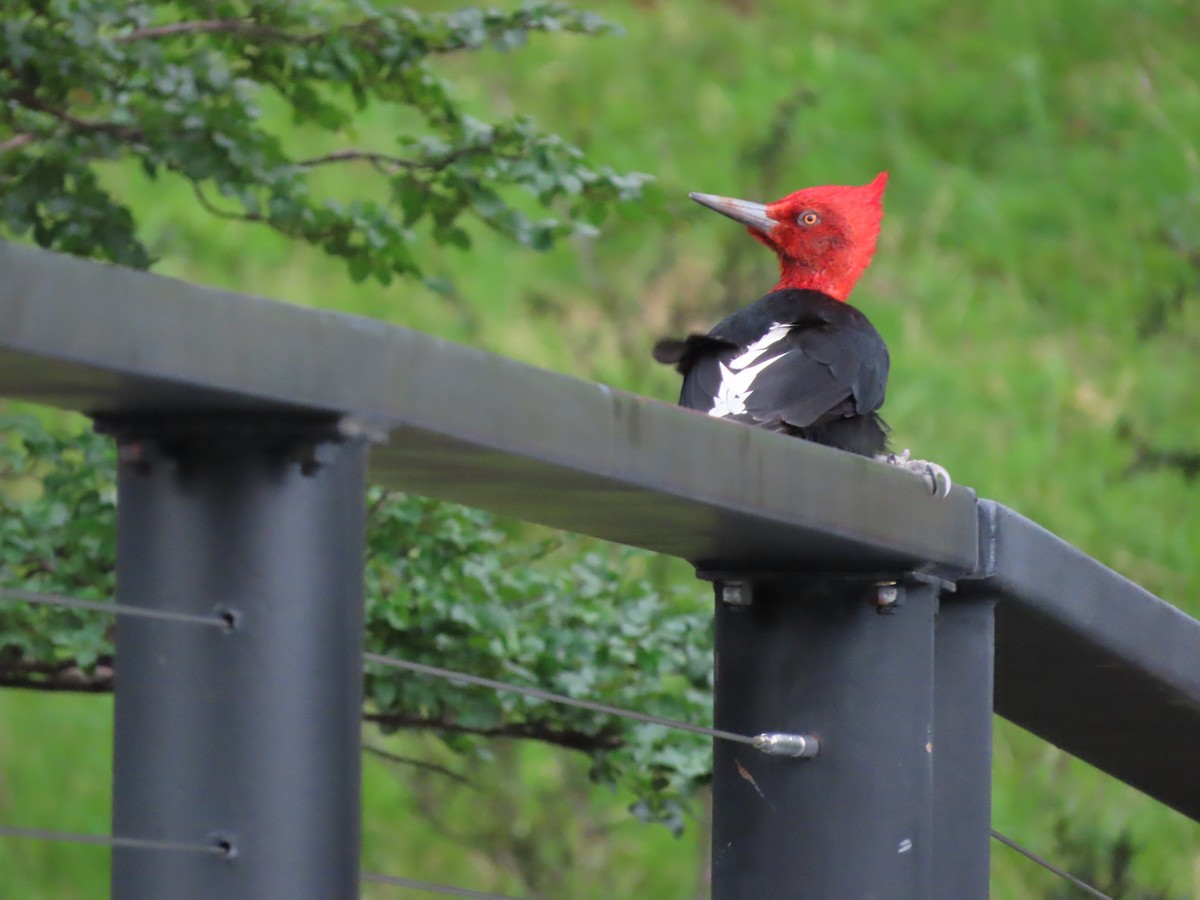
[887,597]
[735,593]
[135,456]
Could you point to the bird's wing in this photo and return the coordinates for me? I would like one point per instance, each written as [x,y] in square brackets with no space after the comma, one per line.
[856,356]
[800,376]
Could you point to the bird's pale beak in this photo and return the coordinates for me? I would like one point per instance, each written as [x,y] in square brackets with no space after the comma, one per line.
[745,211]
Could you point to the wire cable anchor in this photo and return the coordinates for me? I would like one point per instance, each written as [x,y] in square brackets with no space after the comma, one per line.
[777,743]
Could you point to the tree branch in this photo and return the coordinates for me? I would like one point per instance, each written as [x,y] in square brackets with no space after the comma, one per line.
[210,26]
[243,26]
[209,207]
[64,677]
[418,763]
[378,160]
[588,742]
[121,132]
[68,677]
[1148,458]
[366,31]
[399,162]
[17,141]
[256,218]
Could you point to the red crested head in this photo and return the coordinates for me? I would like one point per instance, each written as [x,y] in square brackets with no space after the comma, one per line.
[824,236]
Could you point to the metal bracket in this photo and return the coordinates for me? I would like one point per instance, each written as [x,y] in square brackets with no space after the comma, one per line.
[868,576]
[736,589]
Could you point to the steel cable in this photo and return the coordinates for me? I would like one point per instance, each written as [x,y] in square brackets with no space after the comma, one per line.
[1049,866]
[450,675]
[539,694]
[435,671]
[108,840]
[114,609]
[217,849]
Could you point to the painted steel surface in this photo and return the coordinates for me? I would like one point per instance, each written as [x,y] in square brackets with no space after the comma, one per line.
[1084,658]
[468,426]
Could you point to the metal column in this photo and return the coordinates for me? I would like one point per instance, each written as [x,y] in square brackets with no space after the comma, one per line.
[251,736]
[815,656]
[897,687]
[962,747]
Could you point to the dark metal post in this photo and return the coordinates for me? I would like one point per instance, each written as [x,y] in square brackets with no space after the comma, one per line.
[816,656]
[250,736]
[962,747]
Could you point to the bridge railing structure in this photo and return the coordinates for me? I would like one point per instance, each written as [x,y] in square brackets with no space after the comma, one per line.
[866,631]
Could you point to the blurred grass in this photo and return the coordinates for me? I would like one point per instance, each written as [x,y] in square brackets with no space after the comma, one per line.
[55,773]
[1042,217]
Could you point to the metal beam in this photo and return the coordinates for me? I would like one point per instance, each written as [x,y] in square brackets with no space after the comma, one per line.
[250,737]
[468,426]
[1090,661]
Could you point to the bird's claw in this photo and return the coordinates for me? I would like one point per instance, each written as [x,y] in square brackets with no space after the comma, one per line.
[935,476]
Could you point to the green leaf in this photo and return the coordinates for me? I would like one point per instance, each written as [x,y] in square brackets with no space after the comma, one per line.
[185,106]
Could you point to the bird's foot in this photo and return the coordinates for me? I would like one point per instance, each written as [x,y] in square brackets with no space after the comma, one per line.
[935,476]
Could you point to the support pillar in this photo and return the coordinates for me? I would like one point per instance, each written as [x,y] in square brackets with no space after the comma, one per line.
[814,655]
[962,755]
[896,684]
[251,736]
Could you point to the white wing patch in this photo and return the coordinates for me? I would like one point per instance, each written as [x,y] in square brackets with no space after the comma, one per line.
[737,378]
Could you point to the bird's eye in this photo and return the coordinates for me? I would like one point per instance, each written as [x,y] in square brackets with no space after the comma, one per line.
[808,218]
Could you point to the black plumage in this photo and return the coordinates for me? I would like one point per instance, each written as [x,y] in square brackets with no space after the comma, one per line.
[795,361]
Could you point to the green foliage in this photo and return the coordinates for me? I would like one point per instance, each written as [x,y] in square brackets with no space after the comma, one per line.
[445,585]
[179,88]
[1036,282]
[57,535]
[1102,862]
[448,587]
